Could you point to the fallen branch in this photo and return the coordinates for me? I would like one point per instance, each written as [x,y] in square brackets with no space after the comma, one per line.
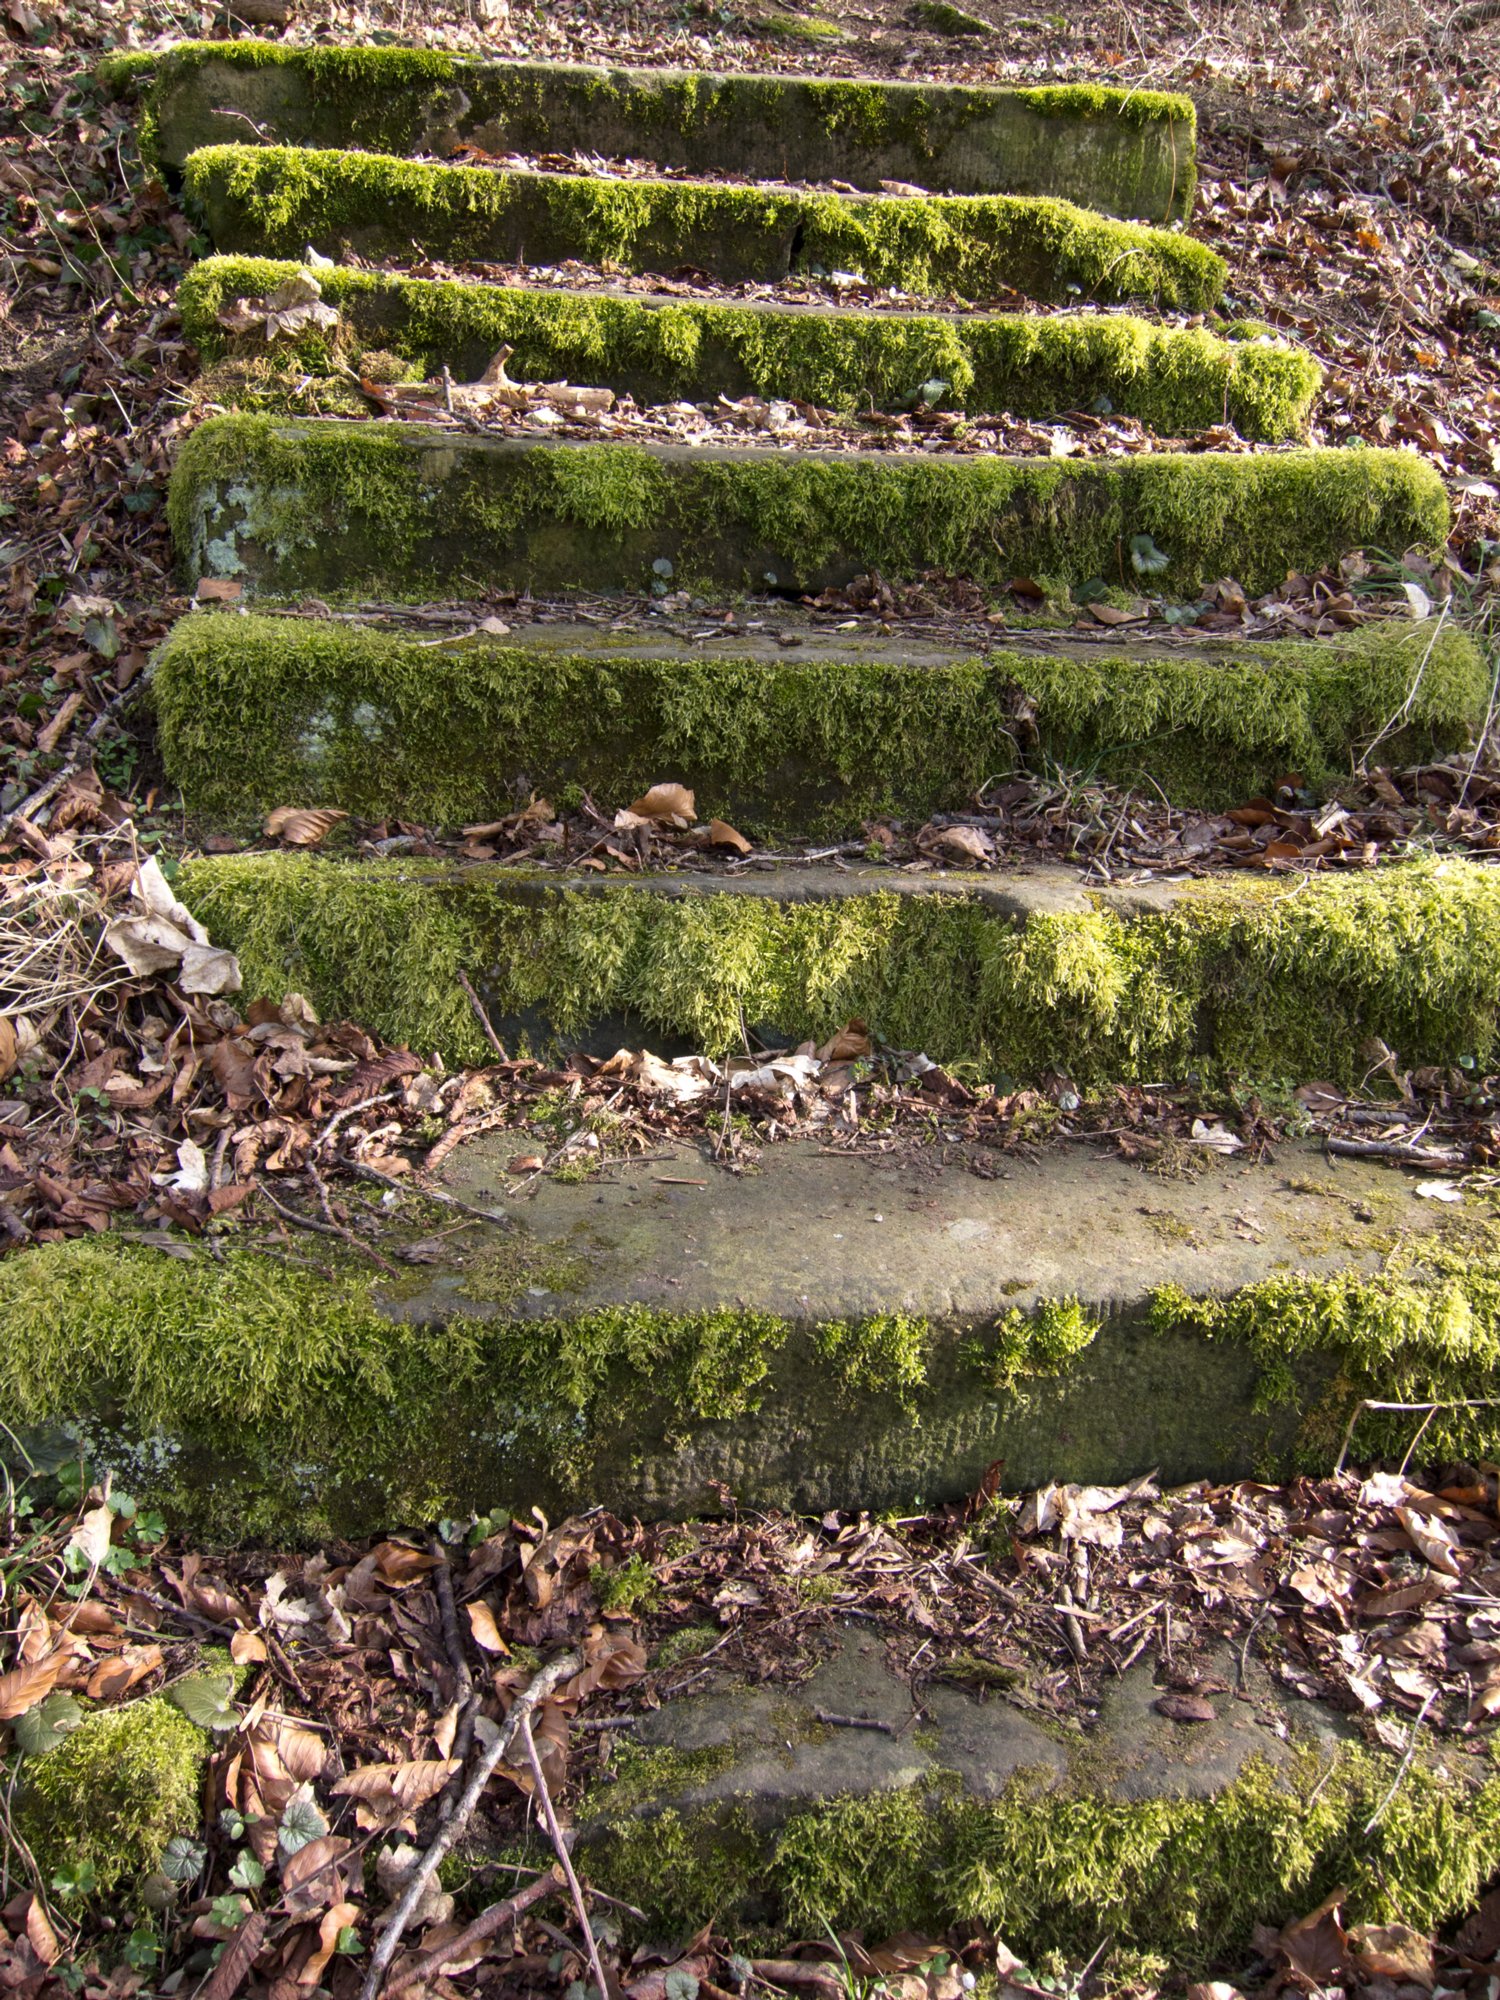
[325,1229]
[1394,1149]
[855,1722]
[564,1859]
[430,1193]
[482,1017]
[550,1677]
[484,1926]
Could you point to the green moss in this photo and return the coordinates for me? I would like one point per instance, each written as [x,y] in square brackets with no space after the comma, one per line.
[272,200]
[627,1587]
[686,1643]
[944,19]
[352,509]
[1426,1328]
[1030,1345]
[1218,981]
[1177,379]
[326,713]
[1130,152]
[885,1355]
[113,1793]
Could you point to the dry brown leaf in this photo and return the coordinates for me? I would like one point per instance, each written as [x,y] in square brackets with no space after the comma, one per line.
[117,1675]
[1393,1951]
[486,1632]
[318,1875]
[722,834]
[406,1786]
[24,1686]
[850,1043]
[339,1917]
[302,826]
[247,1649]
[670,802]
[1185,1708]
[1432,1538]
[399,1564]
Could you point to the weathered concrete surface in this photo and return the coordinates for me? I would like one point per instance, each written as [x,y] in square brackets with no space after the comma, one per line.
[1127,153]
[774,1756]
[403,511]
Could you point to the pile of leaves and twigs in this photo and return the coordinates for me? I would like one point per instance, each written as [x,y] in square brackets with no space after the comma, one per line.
[372,1710]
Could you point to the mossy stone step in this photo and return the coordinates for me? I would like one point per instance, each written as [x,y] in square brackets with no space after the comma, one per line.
[274,201]
[1126,152]
[1177,379]
[732,1804]
[811,737]
[1019,974]
[830,1331]
[407,511]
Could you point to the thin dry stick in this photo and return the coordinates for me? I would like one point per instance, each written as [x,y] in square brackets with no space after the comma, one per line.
[482,1017]
[1411,1750]
[550,1677]
[1409,1409]
[415,1186]
[485,1925]
[463,1735]
[565,1860]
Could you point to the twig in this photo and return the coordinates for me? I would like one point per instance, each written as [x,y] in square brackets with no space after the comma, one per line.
[1405,1765]
[550,1677]
[485,1925]
[325,1229]
[1392,1149]
[420,1187]
[482,1017]
[348,1111]
[1073,1631]
[855,1722]
[564,1859]
[463,1735]
[1408,1409]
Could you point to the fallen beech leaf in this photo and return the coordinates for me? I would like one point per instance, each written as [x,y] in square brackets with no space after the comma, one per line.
[316,1876]
[956,843]
[406,1785]
[24,1686]
[1392,1951]
[398,1563]
[117,1675]
[338,1918]
[40,1934]
[673,802]
[850,1043]
[247,1648]
[722,834]
[486,1632]
[1185,1708]
[302,826]
[1431,1538]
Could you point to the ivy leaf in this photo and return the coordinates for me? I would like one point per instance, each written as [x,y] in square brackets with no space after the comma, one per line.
[1146,559]
[247,1872]
[301,1821]
[183,1859]
[207,1700]
[42,1728]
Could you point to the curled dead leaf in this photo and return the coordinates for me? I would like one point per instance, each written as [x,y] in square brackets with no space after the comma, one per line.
[668,802]
[722,834]
[24,1686]
[302,826]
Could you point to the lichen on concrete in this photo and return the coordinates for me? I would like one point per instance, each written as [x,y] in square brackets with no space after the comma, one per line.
[271,201]
[1177,379]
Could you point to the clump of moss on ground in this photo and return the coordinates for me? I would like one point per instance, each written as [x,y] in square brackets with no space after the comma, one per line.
[1177,379]
[105,1802]
[347,509]
[273,200]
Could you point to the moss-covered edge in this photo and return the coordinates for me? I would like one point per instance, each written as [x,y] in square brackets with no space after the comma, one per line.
[324,713]
[353,508]
[275,200]
[1180,1883]
[1268,978]
[1177,379]
[258,1399]
[1138,155]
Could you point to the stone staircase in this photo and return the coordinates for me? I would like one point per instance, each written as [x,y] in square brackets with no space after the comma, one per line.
[836,1331]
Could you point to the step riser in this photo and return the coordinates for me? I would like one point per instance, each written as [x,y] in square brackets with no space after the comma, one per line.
[324,714]
[271,202]
[396,511]
[597,1348]
[1218,976]
[1176,380]
[1126,153]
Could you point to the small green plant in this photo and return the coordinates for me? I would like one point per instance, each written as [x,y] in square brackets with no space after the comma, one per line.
[631,1587]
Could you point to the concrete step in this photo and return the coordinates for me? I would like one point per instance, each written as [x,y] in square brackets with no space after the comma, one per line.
[1126,152]
[736,1802]
[832,1330]
[274,201]
[1176,379]
[404,511]
[809,738]
[1017,974]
